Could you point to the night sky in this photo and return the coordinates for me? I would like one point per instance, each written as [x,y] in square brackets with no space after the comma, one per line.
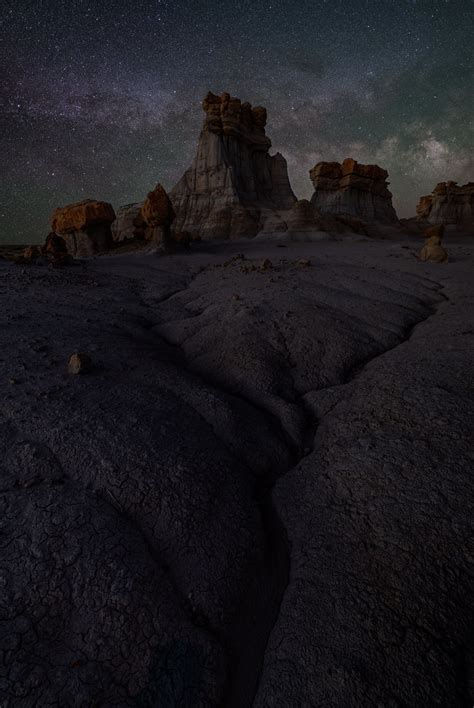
[102,99]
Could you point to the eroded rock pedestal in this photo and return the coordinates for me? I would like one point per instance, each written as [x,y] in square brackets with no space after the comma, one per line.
[84,226]
[354,189]
[232,177]
[450,204]
[158,215]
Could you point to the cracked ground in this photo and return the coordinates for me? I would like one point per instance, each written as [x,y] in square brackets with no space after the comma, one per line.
[262,493]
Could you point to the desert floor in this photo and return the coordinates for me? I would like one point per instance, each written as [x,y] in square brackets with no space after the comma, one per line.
[262,493]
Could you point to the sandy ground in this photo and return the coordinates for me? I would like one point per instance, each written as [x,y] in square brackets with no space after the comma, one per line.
[260,495]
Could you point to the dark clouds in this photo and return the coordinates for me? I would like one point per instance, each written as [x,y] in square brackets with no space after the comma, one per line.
[103,99]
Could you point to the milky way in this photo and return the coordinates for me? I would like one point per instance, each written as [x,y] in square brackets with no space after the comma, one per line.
[102,99]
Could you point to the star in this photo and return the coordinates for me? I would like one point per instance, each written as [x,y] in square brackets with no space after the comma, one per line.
[103,99]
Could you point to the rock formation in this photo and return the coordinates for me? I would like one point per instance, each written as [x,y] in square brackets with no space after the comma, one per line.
[129,223]
[353,189]
[54,244]
[158,214]
[433,250]
[53,252]
[232,177]
[84,226]
[303,222]
[449,204]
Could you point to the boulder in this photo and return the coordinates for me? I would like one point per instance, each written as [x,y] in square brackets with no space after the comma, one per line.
[84,226]
[432,249]
[353,189]
[54,244]
[79,363]
[233,178]
[449,204]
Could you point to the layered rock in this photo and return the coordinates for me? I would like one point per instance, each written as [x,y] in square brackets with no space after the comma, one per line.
[129,223]
[449,204]
[84,226]
[353,189]
[233,177]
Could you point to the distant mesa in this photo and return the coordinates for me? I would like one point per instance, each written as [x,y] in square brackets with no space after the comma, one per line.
[353,189]
[449,204]
[84,226]
[233,177]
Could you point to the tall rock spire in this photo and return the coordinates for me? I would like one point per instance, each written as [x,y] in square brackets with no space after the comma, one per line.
[233,178]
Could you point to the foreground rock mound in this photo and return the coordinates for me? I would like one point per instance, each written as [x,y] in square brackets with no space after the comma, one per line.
[84,226]
[232,177]
[449,204]
[260,496]
[303,222]
[354,189]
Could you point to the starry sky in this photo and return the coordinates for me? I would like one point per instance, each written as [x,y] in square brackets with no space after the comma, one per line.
[103,99]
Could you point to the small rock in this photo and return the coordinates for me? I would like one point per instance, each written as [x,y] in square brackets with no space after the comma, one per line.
[79,363]
[236,297]
[303,263]
[266,264]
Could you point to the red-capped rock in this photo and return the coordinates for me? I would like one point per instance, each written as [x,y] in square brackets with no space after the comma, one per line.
[82,215]
[84,226]
[158,214]
[449,204]
[353,189]
[233,178]
[157,209]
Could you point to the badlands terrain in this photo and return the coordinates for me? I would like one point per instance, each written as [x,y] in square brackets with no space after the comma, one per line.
[236,434]
[259,494]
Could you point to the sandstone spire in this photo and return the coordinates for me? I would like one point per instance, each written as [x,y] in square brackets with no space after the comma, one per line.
[233,177]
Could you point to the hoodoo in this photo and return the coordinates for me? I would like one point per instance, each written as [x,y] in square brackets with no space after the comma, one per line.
[233,178]
[450,204]
[84,226]
[353,189]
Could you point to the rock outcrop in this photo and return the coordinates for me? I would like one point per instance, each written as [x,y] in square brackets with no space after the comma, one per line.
[303,222]
[233,176]
[129,223]
[449,204]
[158,213]
[84,226]
[353,189]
